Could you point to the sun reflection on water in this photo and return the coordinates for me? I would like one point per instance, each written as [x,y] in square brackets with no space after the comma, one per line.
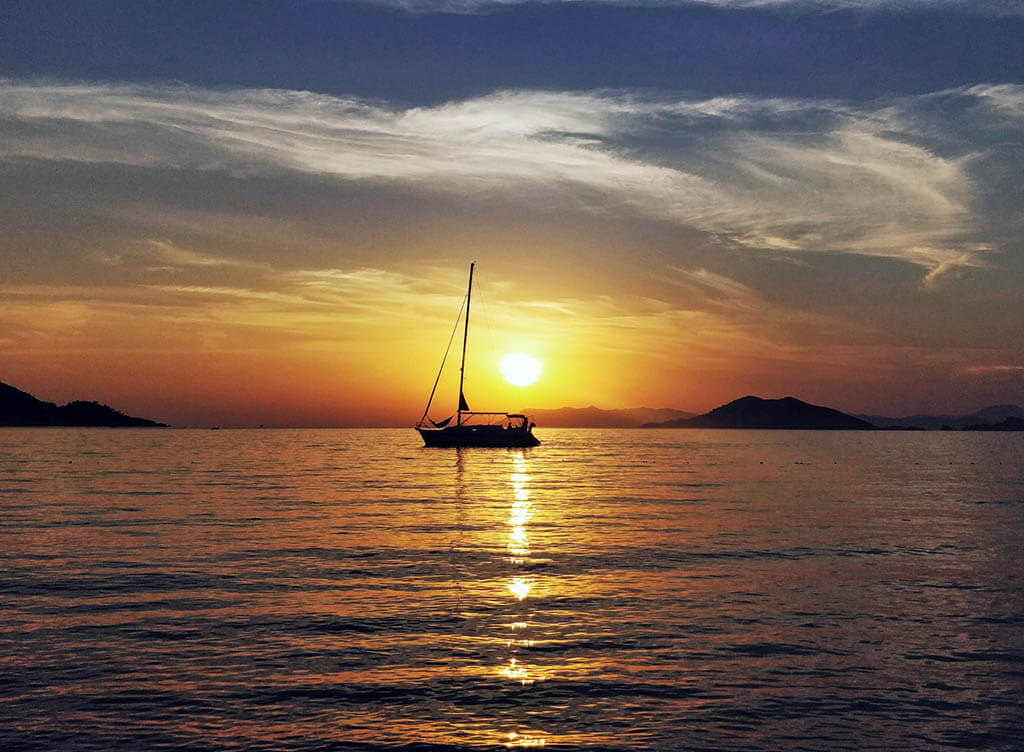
[518,740]
[516,669]
[519,587]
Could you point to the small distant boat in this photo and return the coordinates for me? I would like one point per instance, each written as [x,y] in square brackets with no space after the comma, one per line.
[474,429]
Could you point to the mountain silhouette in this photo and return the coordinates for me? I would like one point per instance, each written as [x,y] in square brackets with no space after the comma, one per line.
[595,417]
[755,412]
[988,416]
[18,408]
[1011,423]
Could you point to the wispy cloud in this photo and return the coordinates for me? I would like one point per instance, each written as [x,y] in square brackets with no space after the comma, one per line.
[1006,100]
[993,370]
[766,174]
[715,287]
[177,256]
[295,309]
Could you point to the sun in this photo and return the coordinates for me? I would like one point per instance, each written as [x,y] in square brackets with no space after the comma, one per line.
[520,369]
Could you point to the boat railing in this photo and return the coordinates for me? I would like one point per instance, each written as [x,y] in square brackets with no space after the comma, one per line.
[489,418]
[511,420]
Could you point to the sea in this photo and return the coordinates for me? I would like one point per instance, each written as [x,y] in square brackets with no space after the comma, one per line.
[607,590]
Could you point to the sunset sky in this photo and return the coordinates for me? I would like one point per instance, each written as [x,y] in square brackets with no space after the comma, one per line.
[263,212]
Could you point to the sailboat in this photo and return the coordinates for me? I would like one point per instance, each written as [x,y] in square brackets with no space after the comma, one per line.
[471,428]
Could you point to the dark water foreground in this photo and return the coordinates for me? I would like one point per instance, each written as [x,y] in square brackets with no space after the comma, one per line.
[317,590]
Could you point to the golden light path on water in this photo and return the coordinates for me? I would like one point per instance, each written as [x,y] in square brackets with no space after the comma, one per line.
[517,669]
[493,515]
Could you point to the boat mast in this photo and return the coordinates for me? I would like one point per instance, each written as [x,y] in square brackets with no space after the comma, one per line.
[465,336]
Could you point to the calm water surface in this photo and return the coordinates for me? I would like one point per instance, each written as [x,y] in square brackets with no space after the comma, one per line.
[344,589]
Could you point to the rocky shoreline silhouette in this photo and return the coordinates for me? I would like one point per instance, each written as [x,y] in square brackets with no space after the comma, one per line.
[18,408]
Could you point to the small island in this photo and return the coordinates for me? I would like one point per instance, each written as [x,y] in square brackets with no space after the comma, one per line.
[786,413]
[18,408]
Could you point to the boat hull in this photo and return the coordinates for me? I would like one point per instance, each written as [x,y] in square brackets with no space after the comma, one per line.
[478,436]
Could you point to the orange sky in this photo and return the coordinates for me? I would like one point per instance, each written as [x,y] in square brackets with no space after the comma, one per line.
[238,257]
[363,347]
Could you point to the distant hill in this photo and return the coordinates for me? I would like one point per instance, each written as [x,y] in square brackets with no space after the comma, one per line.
[988,416]
[595,417]
[755,412]
[18,408]
[1010,424]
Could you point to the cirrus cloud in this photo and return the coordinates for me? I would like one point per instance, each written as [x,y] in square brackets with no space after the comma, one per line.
[895,179]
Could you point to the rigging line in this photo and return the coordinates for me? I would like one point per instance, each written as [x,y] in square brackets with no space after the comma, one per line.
[445,358]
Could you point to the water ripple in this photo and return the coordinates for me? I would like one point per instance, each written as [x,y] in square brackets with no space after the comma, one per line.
[347,590]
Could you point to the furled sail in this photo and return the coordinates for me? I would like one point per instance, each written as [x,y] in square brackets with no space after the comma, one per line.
[442,423]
